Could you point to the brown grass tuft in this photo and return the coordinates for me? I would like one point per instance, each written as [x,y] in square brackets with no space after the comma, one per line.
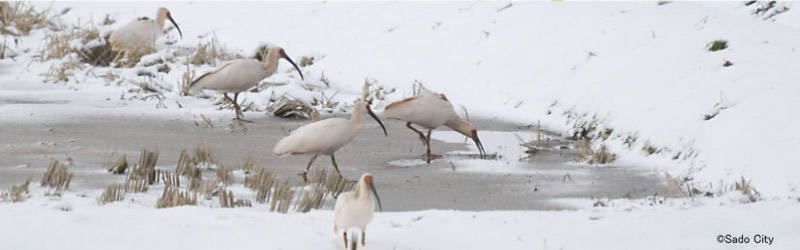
[211,53]
[119,166]
[600,156]
[330,182]
[136,185]
[57,176]
[187,166]
[226,199]
[61,72]
[168,178]
[146,169]
[417,88]
[186,79]
[17,193]
[172,197]
[249,160]
[19,18]
[203,153]
[306,61]
[262,183]
[289,107]
[309,199]
[112,193]
[261,52]
[372,91]
[224,176]
[282,198]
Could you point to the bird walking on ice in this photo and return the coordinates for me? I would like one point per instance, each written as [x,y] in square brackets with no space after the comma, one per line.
[355,208]
[142,32]
[325,137]
[240,75]
[430,111]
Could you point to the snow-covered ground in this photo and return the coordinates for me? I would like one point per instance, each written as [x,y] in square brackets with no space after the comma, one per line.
[640,70]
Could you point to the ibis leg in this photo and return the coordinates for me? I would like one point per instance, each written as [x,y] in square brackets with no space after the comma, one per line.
[428,155]
[335,166]
[345,239]
[236,107]
[421,135]
[304,174]
[363,237]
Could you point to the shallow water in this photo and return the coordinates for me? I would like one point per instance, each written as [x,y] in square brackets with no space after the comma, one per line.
[512,180]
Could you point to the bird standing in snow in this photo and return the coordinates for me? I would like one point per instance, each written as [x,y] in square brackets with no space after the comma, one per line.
[431,110]
[355,208]
[325,137]
[240,75]
[142,32]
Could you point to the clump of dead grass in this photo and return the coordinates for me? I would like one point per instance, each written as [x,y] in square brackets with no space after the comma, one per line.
[309,199]
[60,72]
[325,102]
[168,178]
[600,156]
[262,182]
[306,61]
[119,166]
[227,200]
[372,91]
[146,169]
[282,197]
[211,53]
[187,166]
[261,52]
[186,79]
[330,182]
[19,18]
[17,193]
[249,160]
[417,88]
[173,196]
[741,185]
[287,106]
[136,185]
[325,80]
[204,154]
[57,176]
[224,176]
[94,49]
[112,193]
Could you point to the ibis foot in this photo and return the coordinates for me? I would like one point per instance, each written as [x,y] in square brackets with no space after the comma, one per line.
[240,120]
[431,156]
[304,174]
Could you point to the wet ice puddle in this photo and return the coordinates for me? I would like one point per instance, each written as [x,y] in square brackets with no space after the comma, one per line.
[506,153]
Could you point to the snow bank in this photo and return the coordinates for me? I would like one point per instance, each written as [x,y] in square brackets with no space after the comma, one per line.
[641,69]
[624,226]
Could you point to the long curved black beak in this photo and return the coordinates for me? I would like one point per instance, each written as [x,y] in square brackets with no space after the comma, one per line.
[176,26]
[369,111]
[372,186]
[283,54]
[478,144]
[480,147]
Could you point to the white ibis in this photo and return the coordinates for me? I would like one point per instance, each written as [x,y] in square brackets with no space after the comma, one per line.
[431,110]
[325,137]
[240,75]
[355,208]
[142,32]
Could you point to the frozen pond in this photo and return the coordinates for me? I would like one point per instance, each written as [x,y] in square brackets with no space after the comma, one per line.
[510,180]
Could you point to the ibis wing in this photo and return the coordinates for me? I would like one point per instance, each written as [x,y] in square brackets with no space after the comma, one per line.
[429,110]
